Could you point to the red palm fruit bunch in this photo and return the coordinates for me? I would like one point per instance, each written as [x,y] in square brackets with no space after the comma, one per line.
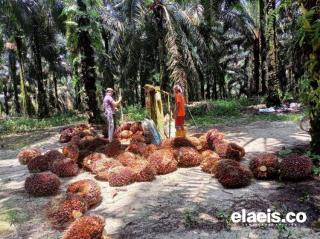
[230,151]
[64,167]
[53,155]
[67,134]
[88,189]
[163,161]
[136,148]
[135,127]
[149,149]
[181,142]
[138,137]
[63,210]
[90,160]
[86,227]
[214,137]
[113,148]
[27,154]
[167,143]
[71,150]
[102,164]
[144,171]
[265,166]
[231,174]
[125,134]
[187,157]
[75,140]
[296,167]
[120,176]
[92,143]
[195,142]
[42,184]
[38,164]
[209,161]
[126,158]
[203,142]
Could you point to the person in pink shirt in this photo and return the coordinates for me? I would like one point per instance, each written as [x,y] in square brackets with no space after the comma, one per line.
[110,106]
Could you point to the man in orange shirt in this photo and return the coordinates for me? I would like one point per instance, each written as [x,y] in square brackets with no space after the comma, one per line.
[180,112]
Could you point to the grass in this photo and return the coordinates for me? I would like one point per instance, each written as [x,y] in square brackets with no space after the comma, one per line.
[233,111]
[22,124]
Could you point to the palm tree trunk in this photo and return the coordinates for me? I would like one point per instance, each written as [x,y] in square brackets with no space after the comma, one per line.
[256,66]
[262,15]
[6,98]
[273,98]
[14,78]
[27,107]
[43,109]
[88,65]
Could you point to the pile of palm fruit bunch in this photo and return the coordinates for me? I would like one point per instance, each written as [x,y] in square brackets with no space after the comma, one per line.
[292,167]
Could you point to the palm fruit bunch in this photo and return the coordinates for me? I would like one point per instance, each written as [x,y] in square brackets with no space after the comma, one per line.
[149,149]
[129,130]
[42,184]
[113,148]
[81,130]
[91,144]
[26,155]
[125,134]
[136,148]
[71,150]
[265,166]
[120,176]
[196,143]
[90,160]
[88,189]
[231,174]
[163,161]
[63,210]
[143,170]
[65,167]
[181,142]
[138,137]
[230,151]
[214,137]
[136,127]
[187,157]
[296,167]
[97,162]
[209,161]
[38,164]
[126,158]
[167,143]
[53,155]
[86,227]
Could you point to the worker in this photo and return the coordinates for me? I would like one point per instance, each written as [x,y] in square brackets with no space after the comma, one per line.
[110,106]
[180,112]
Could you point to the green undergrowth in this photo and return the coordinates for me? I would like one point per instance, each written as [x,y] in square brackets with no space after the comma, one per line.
[23,124]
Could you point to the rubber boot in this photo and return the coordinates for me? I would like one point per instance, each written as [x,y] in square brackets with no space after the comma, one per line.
[178,133]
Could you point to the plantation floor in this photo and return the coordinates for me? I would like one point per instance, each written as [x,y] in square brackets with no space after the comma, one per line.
[184,204]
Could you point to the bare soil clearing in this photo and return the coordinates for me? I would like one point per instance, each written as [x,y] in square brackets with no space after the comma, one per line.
[185,204]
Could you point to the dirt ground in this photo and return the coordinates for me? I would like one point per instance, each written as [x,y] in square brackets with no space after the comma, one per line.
[185,204]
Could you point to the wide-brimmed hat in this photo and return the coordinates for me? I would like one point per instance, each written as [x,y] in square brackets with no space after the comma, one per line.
[109,89]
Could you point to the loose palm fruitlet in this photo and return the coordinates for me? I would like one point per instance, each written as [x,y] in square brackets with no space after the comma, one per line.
[88,189]
[163,161]
[265,166]
[86,227]
[296,167]
[64,167]
[230,151]
[231,174]
[27,154]
[120,176]
[42,184]
[209,161]
[63,210]
[187,157]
